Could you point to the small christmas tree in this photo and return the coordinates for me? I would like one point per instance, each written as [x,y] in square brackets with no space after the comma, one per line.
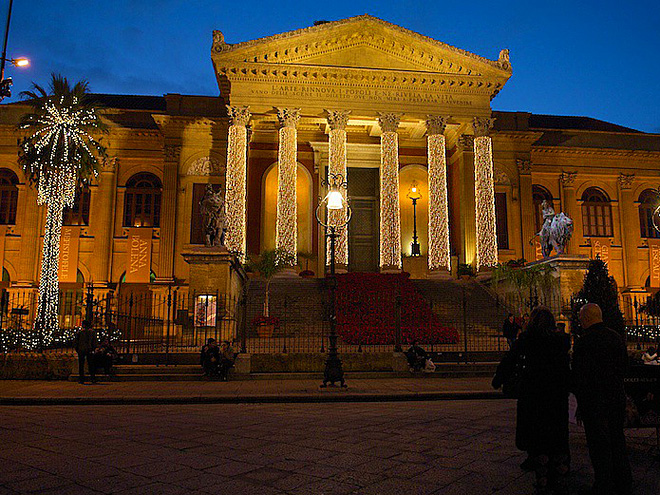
[599,288]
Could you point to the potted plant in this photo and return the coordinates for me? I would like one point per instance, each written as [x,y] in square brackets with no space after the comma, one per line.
[306,273]
[268,265]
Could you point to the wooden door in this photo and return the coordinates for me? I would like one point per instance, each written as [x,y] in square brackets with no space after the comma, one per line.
[364,229]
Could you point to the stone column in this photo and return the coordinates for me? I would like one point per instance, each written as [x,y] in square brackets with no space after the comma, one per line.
[526,201]
[337,120]
[103,222]
[630,234]
[439,249]
[30,231]
[465,202]
[390,212]
[484,193]
[286,237]
[172,153]
[236,181]
[570,208]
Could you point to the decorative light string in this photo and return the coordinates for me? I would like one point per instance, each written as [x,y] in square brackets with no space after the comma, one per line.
[286,237]
[439,249]
[390,213]
[338,119]
[484,191]
[236,185]
[55,154]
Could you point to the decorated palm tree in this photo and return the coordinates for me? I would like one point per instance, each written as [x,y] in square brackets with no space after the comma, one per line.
[60,155]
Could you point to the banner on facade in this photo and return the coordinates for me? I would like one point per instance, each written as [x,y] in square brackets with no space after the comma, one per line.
[600,247]
[69,242]
[654,262]
[138,269]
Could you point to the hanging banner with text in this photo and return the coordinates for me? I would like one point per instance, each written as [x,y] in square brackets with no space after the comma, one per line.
[600,247]
[69,242]
[654,262]
[138,267]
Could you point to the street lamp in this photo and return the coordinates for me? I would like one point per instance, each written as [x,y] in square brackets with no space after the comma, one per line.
[414,195]
[334,202]
[5,83]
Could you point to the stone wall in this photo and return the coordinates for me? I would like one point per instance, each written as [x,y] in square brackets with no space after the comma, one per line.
[37,366]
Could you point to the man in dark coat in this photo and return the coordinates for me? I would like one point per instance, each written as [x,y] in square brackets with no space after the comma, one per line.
[599,362]
[210,358]
[85,345]
[510,329]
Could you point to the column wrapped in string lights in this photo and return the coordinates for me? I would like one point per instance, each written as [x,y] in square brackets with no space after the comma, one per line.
[439,250]
[236,188]
[286,228]
[337,120]
[484,190]
[390,212]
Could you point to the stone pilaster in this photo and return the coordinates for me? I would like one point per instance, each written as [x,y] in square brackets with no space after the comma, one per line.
[172,154]
[439,249]
[390,212]
[337,120]
[466,200]
[102,222]
[526,207]
[30,231]
[236,181]
[286,237]
[570,208]
[484,193]
[630,237]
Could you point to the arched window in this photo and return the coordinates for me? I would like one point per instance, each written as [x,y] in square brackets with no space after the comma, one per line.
[596,213]
[142,201]
[79,213]
[8,196]
[540,194]
[649,201]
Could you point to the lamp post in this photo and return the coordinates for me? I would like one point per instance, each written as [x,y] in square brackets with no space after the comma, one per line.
[5,84]
[414,195]
[334,201]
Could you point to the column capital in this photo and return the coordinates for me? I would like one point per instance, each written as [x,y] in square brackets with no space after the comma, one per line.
[436,124]
[172,152]
[524,166]
[288,117]
[567,179]
[110,165]
[482,126]
[389,122]
[239,115]
[626,180]
[338,119]
[465,142]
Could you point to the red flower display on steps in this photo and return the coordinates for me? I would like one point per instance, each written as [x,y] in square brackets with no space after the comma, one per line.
[366,314]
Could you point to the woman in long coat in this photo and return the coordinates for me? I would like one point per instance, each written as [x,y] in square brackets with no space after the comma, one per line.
[540,360]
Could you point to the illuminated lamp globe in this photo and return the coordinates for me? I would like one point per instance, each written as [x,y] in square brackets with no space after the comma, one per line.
[20,62]
[335,200]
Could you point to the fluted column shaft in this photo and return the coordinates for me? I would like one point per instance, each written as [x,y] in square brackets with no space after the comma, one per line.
[337,120]
[286,237]
[570,208]
[390,212]
[439,249]
[168,213]
[236,181]
[484,191]
[104,226]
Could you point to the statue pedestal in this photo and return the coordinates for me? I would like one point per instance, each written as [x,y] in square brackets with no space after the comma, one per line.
[214,269]
[570,270]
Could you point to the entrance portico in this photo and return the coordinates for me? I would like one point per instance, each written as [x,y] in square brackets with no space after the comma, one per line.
[354,87]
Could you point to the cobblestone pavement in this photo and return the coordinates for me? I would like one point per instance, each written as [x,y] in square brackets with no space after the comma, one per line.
[411,448]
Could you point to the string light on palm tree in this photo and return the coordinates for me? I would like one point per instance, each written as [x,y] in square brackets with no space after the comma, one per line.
[60,156]
[414,195]
[335,204]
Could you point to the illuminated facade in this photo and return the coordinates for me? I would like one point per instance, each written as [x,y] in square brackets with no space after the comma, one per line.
[365,98]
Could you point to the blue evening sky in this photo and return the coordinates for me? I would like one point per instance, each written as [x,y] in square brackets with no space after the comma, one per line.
[589,58]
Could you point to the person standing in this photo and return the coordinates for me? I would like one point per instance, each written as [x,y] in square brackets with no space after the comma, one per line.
[510,329]
[85,345]
[600,359]
[539,359]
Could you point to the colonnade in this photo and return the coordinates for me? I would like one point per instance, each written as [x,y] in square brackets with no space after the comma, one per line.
[439,255]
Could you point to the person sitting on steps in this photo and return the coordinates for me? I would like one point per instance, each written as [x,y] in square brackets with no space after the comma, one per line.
[227,359]
[210,358]
[416,357]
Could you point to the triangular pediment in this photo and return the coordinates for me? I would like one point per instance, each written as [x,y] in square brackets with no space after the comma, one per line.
[363,42]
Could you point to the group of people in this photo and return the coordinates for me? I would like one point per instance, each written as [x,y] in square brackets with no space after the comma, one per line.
[540,374]
[97,356]
[217,360]
[651,356]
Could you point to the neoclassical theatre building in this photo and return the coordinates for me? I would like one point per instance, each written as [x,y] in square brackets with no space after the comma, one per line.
[388,109]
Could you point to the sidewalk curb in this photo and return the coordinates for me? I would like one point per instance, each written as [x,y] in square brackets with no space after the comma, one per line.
[250,399]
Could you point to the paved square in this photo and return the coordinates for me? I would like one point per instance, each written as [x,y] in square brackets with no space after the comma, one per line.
[440,447]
